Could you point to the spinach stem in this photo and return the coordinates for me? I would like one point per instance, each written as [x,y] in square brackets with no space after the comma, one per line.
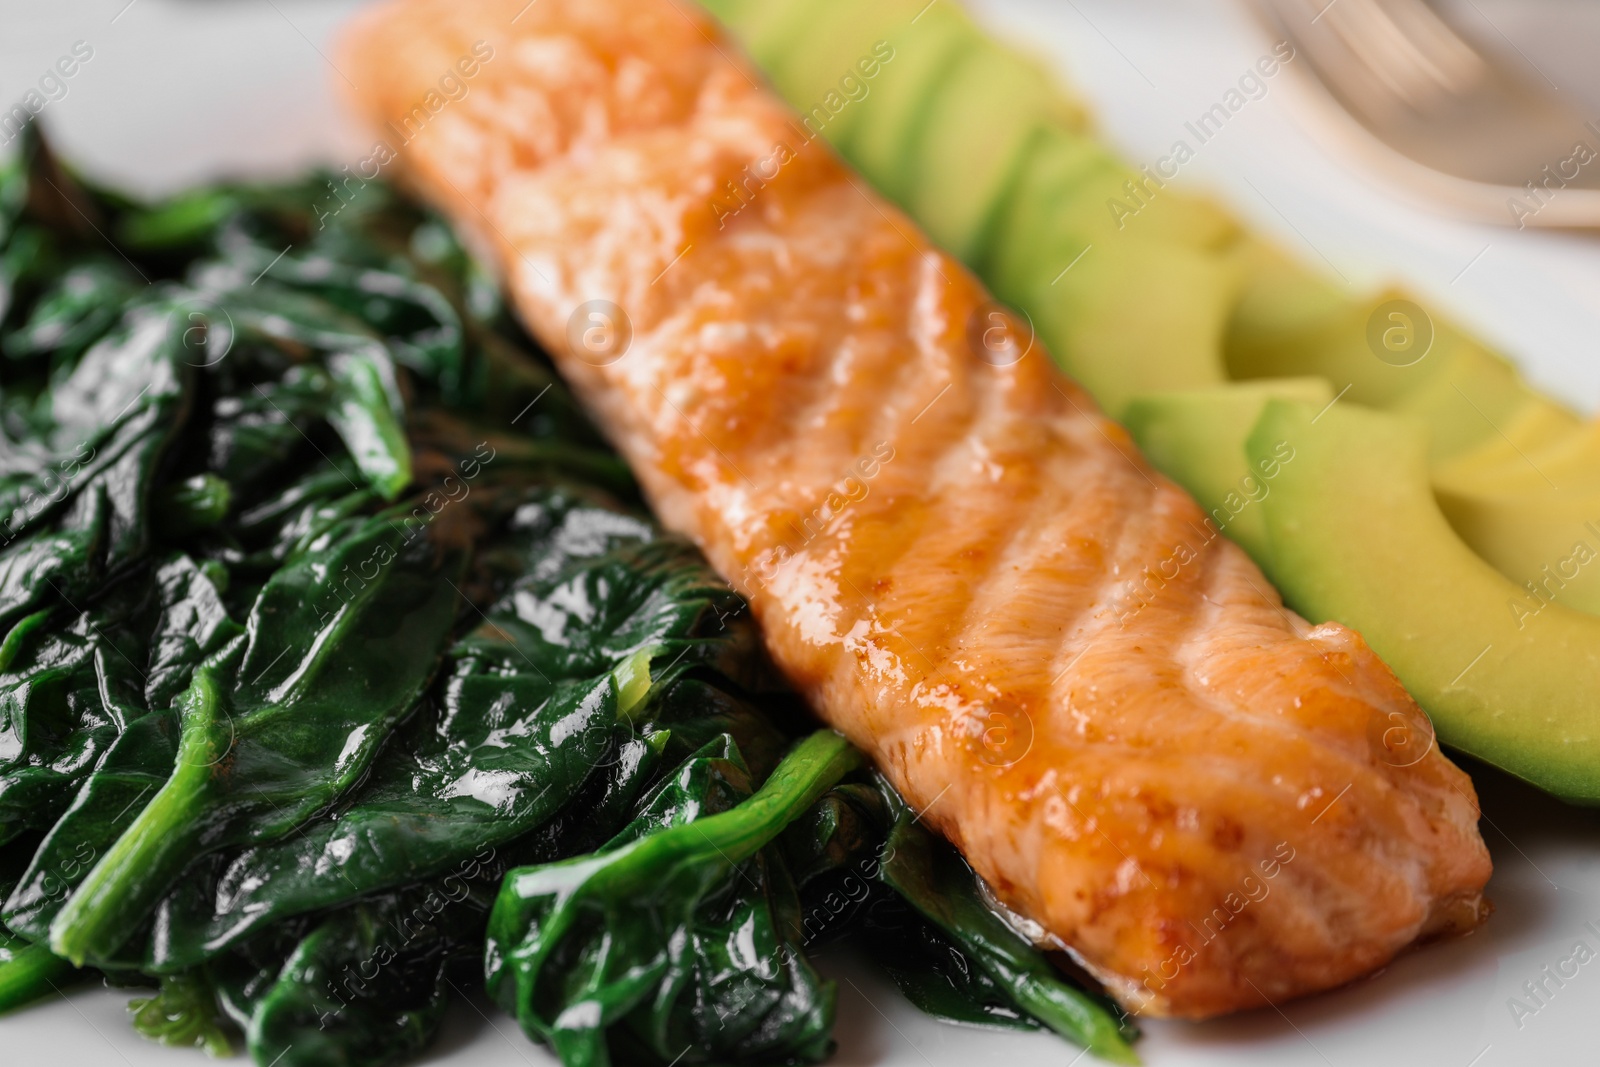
[810,769]
[32,972]
[1078,1018]
[933,879]
[135,872]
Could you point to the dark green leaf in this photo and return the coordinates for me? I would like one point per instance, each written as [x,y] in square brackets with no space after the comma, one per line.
[673,942]
[286,718]
[78,307]
[179,622]
[193,504]
[133,770]
[534,701]
[934,879]
[934,974]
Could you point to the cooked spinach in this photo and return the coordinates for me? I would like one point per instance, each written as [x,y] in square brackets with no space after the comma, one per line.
[284,719]
[28,972]
[368,984]
[183,1013]
[533,701]
[341,670]
[991,965]
[677,941]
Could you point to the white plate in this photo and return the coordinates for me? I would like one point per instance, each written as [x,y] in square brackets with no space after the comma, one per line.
[177,92]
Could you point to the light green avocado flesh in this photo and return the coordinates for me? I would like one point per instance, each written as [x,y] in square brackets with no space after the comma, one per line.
[765,27]
[984,116]
[1051,213]
[892,116]
[1531,506]
[1124,322]
[1290,322]
[1543,446]
[1197,438]
[1355,536]
[834,62]
[1550,538]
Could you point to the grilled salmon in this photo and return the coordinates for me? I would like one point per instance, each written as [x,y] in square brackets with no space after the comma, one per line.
[961,563]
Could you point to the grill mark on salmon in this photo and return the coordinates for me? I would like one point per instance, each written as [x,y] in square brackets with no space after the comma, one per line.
[1038,638]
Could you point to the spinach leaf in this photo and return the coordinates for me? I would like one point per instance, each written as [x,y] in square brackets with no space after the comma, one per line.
[73,311]
[360,393]
[643,942]
[368,984]
[415,321]
[935,880]
[426,806]
[284,719]
[532,703]
[65,685]
[836,840]
[139,656]
[80,515]
[183,1014]
[42,237]
[111,422]
[933,973]
[132,771]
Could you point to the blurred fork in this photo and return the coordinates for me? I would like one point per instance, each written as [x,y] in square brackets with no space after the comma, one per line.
[1479,135]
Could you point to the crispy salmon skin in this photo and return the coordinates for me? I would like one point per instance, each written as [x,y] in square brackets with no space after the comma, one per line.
[959,561]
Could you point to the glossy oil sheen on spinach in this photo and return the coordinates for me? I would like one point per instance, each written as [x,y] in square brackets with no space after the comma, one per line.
[342,673]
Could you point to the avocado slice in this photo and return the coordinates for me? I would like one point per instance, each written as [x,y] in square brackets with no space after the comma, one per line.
[1197,437]
[1515,459]
[1122,310]
[1570,462]
[1292,323]
[1532,506]
[834,61]
[764,27]
[1355,536]
[1175,217]
[881,137]
[983,117]
[1053,209]
[1468,399]
[1061,203]
[1124,321]
[1548,543]
[1544,447]
[1279,299]
[1070,193]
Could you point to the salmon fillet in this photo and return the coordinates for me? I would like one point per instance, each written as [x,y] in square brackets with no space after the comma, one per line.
[961,563]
